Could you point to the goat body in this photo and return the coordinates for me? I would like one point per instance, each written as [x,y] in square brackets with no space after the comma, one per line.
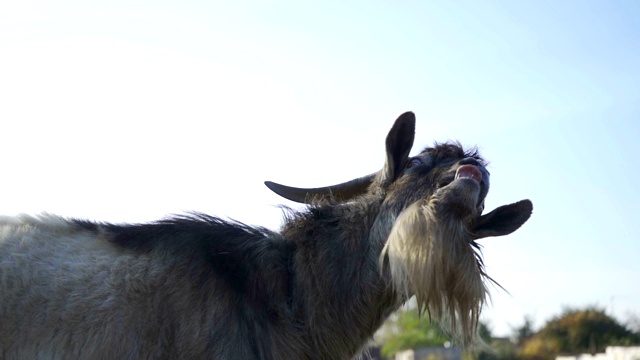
[197,286]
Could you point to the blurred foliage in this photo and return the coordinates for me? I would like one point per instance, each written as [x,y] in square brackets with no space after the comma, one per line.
[408,330]
[524,332]
[574,331]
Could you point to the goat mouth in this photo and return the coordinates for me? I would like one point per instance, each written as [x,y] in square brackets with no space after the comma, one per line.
[469,172]
[473,173]
[470,185]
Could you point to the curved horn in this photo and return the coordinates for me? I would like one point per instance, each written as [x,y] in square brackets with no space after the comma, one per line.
[341,192]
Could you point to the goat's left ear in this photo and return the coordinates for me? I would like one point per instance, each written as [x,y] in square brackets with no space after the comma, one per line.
[503,220]
[399,143]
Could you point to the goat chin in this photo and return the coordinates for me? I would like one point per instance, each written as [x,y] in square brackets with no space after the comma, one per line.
[430,255]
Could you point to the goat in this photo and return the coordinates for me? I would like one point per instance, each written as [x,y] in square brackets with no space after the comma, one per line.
[196,286]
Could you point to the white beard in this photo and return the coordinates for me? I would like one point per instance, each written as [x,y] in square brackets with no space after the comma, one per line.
[430,256]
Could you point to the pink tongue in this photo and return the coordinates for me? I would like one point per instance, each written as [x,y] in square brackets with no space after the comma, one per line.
[469,172]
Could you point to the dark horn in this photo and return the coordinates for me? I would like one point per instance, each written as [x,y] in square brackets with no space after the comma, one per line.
[340,192]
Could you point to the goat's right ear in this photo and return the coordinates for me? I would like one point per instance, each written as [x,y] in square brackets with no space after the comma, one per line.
[399,143]
[503,220]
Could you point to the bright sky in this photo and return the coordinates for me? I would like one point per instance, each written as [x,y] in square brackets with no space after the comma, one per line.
[127,111]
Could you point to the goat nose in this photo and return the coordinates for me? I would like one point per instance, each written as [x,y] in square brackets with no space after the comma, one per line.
[469,161]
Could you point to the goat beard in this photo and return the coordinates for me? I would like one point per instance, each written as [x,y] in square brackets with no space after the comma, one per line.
[430,255]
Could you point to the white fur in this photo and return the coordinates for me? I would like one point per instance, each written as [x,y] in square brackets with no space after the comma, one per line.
[430,257]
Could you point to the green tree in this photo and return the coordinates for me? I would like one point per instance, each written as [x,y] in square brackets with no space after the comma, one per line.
[523,332]
[494,348]
[575,331]
[408,330]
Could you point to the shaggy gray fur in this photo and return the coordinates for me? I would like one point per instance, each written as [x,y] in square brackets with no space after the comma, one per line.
[199,287]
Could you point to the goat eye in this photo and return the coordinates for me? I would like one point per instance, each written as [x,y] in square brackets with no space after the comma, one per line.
[414,162]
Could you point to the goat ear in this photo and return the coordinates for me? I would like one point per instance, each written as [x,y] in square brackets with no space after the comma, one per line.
[503,220]
[399,143]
